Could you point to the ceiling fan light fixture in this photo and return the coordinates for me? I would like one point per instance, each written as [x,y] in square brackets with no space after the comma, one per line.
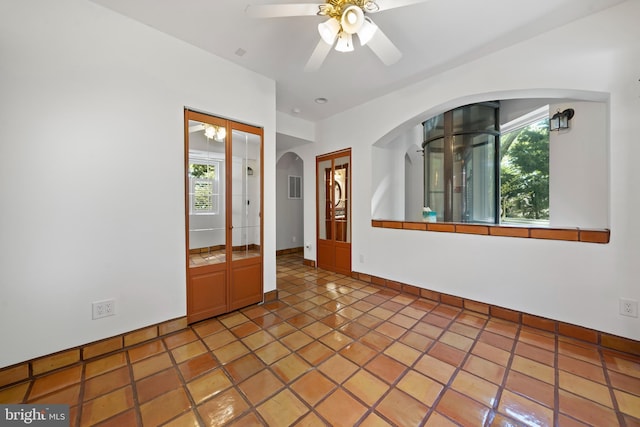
[329,30]
[367,31]
[324,9]
[209,131]
[221,133]
[215,132]
[352,19]
[345,42]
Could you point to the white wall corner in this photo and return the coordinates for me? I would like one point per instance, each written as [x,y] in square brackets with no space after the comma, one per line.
[296,127]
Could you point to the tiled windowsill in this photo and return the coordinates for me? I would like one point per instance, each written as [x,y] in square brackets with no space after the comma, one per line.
[567,234]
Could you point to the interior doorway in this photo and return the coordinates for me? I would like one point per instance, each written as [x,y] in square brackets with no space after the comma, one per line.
[333,211]
[289,204]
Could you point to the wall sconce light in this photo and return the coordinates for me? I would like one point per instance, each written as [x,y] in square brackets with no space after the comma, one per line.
[560,120]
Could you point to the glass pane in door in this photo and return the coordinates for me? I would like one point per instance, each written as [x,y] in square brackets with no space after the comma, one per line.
[341,190]
[482,181]
[206,187]
[245,194]
[434,177]
[325,200]
[459,147]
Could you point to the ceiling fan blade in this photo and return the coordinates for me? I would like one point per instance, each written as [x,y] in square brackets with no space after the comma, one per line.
[384,48]
[282,10]
[318,56]
[392,4]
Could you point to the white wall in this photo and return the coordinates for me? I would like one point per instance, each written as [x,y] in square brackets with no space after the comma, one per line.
[290,217]
[578,283]
[295,127]
[385,179]
[389,176]
[91,113]
[578,185]
[414,183]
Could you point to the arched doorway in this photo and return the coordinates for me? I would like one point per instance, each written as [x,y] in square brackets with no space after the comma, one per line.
[289,204]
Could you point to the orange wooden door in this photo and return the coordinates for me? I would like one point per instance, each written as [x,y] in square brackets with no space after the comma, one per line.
[223,204]
[245,202]
[333,212]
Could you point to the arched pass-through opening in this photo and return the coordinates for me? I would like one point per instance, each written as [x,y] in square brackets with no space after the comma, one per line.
[576,199]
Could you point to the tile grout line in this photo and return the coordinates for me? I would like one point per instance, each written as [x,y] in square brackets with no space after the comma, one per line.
[220,367]
[183,383]
[335,352]
[459,368]
[235,385]
[288,386]
[619,414]
[556,338]
[393,386]
[450,323]
[507,369]
[425,352]
[609,384]
[446,386]
[83,377]
[494,407]
[370,408]
[134,388]
[556,379]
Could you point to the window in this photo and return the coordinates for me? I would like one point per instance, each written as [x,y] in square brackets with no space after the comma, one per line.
[460,159]
[203,186]
[524,169]
[478,171]
[295,187]
[202,195]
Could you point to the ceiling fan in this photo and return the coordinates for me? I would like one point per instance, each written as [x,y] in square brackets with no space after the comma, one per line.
[346,18]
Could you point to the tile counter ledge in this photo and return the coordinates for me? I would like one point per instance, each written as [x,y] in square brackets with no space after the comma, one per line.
[567,234]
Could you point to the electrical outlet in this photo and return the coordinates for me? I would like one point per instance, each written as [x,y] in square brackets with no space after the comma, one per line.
[103,308]
[628,307]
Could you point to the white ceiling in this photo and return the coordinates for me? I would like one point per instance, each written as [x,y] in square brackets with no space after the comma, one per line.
[433,36]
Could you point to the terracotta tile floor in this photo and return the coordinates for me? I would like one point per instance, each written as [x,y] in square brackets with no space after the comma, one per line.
[336,351]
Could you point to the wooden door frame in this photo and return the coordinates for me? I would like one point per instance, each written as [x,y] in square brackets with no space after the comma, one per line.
[229,266]
[333,245]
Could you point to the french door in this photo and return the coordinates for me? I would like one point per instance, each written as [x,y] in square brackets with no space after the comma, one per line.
[223,180]
[333,205]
